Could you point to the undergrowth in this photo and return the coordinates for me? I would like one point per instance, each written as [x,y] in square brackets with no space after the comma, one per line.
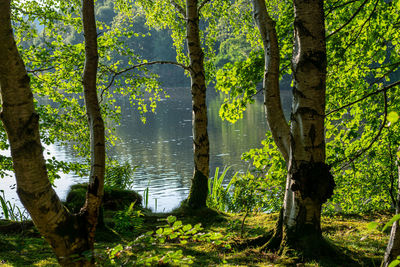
[180,240]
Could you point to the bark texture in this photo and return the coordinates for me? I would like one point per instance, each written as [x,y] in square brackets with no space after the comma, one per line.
[70,235]
[393,248]
[96,124]
[272,99]
[66,233]
[309,181]
[199,188]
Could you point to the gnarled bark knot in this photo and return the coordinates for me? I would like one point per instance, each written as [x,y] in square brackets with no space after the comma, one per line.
[313,180]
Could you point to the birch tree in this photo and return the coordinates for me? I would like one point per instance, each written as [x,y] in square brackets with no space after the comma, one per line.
[183,17]
[70,235]
[302,144]
[362,54]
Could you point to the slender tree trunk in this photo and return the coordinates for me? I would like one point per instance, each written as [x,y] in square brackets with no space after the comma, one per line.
[96,124]
[272,99]
[393,248]
[69,235]
[309,182]
[199,188]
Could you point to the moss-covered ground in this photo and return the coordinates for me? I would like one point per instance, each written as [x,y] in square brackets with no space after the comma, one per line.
[357,244]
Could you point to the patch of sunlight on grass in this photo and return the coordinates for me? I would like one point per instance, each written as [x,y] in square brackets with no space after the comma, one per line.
[46,263]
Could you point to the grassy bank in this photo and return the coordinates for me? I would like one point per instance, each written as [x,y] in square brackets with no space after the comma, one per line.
[356,243]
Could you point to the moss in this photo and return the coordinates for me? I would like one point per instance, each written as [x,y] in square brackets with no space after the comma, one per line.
[113,199]
[198,191]
[354,244]
[7,226]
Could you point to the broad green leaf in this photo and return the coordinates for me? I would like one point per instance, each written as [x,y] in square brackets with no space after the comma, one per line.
[177,224]
[171,219]
[390,223]
[394,263]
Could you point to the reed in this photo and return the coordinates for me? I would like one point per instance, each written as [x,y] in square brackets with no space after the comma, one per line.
[219,197]
[11,211]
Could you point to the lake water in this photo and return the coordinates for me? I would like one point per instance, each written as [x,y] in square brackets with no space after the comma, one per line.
[162,148]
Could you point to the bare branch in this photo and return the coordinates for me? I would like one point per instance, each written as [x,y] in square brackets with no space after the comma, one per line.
[332,8]
[351,18]
[203,4]
[115,74]
[39,70]
[393,65]
[384,89]
[362,26]
[178,8]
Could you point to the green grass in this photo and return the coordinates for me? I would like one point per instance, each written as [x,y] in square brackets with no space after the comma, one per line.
[358,245]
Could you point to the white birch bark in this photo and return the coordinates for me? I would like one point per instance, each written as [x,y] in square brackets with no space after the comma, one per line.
[69,235]
[61,229]
[272,99]
[309,182]
[199,188]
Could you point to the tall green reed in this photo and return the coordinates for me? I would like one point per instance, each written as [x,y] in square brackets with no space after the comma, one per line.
[219,197]
[11,211]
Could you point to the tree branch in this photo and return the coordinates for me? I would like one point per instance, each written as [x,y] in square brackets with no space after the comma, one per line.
[362,26]
[115,74]
[384,89]
[40,70]
[178,8]
[347,22]
[332,8]
[362,151]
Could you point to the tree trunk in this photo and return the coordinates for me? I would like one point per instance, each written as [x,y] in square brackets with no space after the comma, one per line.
[96,124]
[309,182]
[272,99]
[199,188]
[393,248]
[69,235]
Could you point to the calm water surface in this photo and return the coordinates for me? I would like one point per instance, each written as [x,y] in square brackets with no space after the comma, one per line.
[162,147]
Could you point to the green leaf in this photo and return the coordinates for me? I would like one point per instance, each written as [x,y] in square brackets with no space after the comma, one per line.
[177,224]
[115,250]
[171,219]
[167,231]
[187,227]
[173,235]
[393,117]
[198,226]
[394,263]
[390,223]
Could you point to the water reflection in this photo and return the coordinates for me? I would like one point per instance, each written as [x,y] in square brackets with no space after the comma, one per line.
[162,148]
